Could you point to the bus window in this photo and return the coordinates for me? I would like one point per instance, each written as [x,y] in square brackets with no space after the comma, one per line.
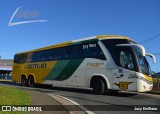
[16,57]
[92,50]
[56,53]
[126,60]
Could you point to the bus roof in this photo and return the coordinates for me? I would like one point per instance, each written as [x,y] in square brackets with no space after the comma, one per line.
[100,37]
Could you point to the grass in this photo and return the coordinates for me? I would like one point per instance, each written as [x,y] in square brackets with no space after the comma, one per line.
[13,96]
[156,88]
[155,80]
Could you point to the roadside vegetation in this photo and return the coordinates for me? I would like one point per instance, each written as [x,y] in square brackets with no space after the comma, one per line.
[156,84]
[13,96]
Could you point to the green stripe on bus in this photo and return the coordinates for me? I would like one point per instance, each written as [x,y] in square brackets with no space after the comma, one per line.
[57,69]
[64,69]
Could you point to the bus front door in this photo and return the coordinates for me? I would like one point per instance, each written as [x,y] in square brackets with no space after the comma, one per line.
[126,80]
[125,76]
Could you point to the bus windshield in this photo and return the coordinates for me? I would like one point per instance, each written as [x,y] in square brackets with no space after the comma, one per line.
[143,65]
[127,57]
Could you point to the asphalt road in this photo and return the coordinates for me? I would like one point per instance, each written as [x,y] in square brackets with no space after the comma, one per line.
[100,104]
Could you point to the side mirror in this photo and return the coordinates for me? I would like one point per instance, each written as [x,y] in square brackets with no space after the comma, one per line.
[152,56]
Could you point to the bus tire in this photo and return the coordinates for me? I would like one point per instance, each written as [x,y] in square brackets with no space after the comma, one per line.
[98,86]
[24,81]
[31,82]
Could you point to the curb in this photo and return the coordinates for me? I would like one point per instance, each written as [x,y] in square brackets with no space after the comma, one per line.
[65,101]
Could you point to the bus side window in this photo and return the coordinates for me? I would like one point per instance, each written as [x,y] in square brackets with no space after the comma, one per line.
[66,52]
[29,57]
[72,52]
[77,51]
[37,57]
[55,54]
[58,54]
[21,58]
[16,58]
[92,50]
[45,55]
[34,57]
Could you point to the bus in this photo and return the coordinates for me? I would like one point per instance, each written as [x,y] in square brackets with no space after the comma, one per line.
[107,62]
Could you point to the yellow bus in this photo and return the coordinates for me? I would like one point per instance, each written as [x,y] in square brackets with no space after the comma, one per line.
[107,62]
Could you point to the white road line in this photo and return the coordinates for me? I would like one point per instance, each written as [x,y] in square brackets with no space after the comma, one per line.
[75,103]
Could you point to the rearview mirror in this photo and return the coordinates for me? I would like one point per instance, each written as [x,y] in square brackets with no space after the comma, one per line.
[152,56]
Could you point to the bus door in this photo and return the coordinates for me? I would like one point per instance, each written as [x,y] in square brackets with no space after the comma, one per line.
[126,75]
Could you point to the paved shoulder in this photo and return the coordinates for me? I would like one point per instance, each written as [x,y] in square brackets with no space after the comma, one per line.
[40,98]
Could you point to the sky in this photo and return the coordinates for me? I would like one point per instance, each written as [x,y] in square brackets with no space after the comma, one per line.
[75,19]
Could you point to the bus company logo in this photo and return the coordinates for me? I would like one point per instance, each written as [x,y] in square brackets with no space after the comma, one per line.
[123,85]
[94,64]
[35,66]
[24,16]
[87,46]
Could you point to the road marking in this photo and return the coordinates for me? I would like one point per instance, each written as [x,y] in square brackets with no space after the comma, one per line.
[75,103]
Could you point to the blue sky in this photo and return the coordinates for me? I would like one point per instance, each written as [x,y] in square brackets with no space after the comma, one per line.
[75,19]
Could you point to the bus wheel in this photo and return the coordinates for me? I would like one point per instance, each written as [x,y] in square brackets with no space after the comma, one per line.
[31,81]
[23,81]
[98,86]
